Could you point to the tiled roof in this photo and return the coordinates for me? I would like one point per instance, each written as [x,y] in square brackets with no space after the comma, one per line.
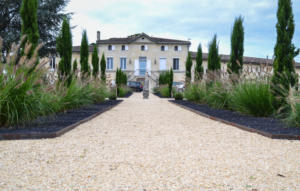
[132,38]
[77,48]
[246,60]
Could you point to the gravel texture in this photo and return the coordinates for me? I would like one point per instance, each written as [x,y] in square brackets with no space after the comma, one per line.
[151,145]
[269,125]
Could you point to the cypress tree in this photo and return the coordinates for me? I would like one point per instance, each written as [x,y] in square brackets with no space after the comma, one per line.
[235,64]
[29,26]
[103,68]
[170,84]
[188,68]
[199,67]
[64,49]
[284,75]
[213,62]
[95,62]
[75,67]
[84,55]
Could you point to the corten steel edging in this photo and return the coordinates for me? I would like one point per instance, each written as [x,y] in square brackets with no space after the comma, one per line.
[266,134]
[37,135]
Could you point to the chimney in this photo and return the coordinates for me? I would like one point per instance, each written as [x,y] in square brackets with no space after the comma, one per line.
[98,35]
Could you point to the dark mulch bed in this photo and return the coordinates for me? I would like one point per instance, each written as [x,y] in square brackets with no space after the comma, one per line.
[269,127]
[56,125]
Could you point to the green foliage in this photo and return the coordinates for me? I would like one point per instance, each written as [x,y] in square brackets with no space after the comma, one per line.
[285,52]
[75,66]
[29,27]
[64,49]
[170,84]
[195,93]
[164,91]
[164,78]
[235,64]
[25,95]
[213,62]
[199,68]
[121,77]
[123,91]
[84,56]
[188,68]
[50,15]
[217,95]
[252,98]
[112,94]
[293,118]
[178,96]
[103,68]
[95,62]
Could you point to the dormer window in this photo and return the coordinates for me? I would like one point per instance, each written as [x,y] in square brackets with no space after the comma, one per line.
[176,48]
[143,48]
[110,47]
[162,48]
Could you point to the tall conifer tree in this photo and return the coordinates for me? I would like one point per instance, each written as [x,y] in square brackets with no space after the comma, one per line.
[95,62]
[235,64]
[103,68]
[64,49]
[284,75]
[213,62]
[199,67]
[84,55]
[188,68]
[29,24]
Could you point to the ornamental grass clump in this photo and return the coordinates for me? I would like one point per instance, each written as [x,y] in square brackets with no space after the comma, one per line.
[218,95]
[195,92]
[252,97]
[22,96]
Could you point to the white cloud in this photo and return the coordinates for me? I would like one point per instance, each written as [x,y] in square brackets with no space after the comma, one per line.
[198,20]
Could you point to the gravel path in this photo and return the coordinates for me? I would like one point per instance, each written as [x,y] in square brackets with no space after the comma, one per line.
[151,145]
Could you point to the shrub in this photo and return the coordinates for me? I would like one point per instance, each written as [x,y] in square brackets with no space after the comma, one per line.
[112,95]
[164,78]
[178,96]
[164,91]
[217,96]
[195,92]
[123,91]
[252,98]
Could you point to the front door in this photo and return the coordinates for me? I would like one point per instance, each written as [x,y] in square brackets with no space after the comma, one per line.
[143,66]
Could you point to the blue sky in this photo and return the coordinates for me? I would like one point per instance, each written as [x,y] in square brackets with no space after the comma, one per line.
[197,20]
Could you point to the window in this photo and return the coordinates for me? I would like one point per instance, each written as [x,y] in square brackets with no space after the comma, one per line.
[110,64]
[176,48]
[143,48]
[162,48]
[110,47]
[123,47]
[123,63]
[176,64]
[162,64]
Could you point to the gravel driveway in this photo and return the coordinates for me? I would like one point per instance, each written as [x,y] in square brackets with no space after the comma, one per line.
[151,145]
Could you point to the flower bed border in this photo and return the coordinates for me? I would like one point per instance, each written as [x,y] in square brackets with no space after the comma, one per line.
[243,127]
[42,135]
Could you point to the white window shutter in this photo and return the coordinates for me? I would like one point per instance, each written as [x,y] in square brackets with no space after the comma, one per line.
[146,47]
[113,47]
[136,67]
[126,47]
[149,67]
[166,48]
[179,48]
